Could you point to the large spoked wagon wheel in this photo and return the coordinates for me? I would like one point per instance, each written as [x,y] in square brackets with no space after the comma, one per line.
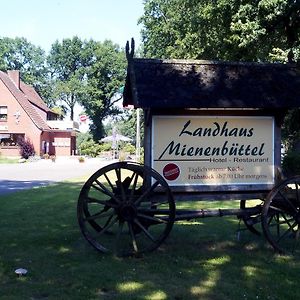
[281,216]
[126,209]
[253,221]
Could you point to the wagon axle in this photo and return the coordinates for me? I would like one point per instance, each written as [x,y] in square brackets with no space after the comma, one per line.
[182,214]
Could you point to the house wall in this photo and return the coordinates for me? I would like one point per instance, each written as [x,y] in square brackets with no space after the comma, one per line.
[62,143]
[59,143]
[17,122]
[53,142]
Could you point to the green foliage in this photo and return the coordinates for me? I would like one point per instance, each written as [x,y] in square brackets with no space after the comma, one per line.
[105,147]
[67,61]
[19,54]
[66,58]
[83,137]
[89,148]
[60,111]
[128,148]
[8,160]
[291,163]
[104,78]
[223,29]
[88,73]
[291,128]
[125,124]
[86,145]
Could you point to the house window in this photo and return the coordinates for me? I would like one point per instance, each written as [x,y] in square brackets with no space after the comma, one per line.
[10,139]
[3,113]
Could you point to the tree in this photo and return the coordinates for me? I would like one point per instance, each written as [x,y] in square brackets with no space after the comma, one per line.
[19,54]
[104,78]
[126,124]
[67,62]
[271,27]
[260,30]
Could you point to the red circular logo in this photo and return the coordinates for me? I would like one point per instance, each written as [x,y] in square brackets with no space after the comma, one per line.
[83,118]
[171,171]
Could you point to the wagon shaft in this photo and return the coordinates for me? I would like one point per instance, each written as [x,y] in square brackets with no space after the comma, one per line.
[205,213]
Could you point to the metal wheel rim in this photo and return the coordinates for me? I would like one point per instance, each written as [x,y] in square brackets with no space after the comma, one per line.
[251,221]
[281,217]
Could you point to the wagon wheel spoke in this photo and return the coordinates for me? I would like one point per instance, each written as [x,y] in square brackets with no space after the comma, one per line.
[133,190]
[102,188]
[290,228]
[252,223]
[133,239]
[147,193]
[288,201]
[119,233]
[276,209]
[120,183]
[108,224]
[98,215]
[270,219]
[281,216]
[147,233]
[125,194]
[287,220]
[278,223]
[153,219]
[108,181]
[102,202]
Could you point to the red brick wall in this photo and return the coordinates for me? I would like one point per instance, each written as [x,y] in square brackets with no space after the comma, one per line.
[59,143]
[23,124]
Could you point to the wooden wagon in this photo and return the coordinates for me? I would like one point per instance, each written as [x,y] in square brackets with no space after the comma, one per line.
[212,131]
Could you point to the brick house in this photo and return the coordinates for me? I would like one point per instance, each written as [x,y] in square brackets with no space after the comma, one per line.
[23,114]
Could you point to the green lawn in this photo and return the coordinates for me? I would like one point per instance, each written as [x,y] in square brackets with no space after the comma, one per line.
[200,260]
[5,160]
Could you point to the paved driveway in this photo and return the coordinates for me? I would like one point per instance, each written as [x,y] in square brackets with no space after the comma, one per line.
[15,177]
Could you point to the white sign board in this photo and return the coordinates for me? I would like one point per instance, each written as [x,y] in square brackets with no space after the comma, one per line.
[213,150]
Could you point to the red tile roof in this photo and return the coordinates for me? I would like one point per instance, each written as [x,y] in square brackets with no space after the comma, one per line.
[33,96]
[26,98]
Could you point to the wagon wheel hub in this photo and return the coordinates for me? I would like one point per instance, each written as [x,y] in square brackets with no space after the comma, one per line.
[128,212]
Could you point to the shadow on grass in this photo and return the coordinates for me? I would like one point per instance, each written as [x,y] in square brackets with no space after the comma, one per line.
[200,260]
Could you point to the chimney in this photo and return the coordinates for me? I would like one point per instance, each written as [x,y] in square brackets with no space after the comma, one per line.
[14,75]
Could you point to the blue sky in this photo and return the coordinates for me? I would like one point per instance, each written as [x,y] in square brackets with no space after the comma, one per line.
[43,22]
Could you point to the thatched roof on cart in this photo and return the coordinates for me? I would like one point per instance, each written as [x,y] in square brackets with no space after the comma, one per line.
[153,83]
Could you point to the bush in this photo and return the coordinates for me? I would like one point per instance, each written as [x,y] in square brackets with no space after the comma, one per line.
[129,148]
[105,147]
[26,148]
[291,163]
[89,148]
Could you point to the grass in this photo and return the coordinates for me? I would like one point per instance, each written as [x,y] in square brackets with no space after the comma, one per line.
[5,160]
[200,260]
